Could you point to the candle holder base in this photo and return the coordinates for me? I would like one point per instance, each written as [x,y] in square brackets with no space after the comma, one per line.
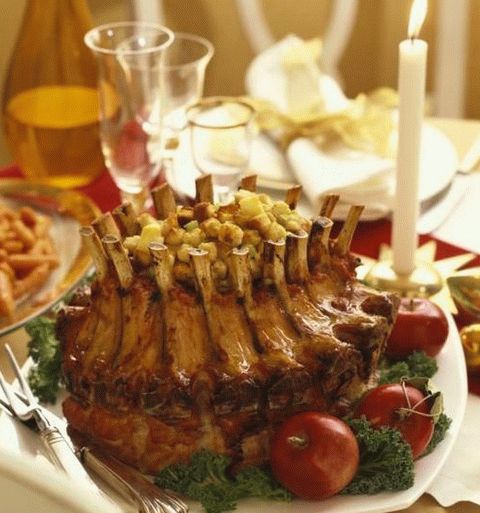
[423,281]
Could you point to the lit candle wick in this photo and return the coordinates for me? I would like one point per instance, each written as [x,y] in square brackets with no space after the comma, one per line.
[418,13]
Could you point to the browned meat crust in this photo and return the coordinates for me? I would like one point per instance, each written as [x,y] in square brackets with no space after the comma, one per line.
[161,363]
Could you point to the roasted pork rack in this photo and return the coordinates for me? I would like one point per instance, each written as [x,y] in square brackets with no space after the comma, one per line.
[207,326]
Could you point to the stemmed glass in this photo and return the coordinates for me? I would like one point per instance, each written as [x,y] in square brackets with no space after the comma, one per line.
[221,136]
[129,57]
[183,74]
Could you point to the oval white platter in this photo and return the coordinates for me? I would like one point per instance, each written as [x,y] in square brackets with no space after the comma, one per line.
[451,379]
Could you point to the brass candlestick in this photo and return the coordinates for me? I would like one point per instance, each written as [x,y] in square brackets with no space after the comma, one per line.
[423,281]
[428,279]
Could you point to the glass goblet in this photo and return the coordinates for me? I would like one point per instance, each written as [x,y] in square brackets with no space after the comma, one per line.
[183,74]
[129,57]
[221,133]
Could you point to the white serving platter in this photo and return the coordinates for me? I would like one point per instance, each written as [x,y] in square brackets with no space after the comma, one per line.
[451,379]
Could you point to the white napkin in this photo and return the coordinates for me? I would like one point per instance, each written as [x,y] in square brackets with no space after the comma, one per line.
[268,77]
[459,479]
[357,176]
[365,180]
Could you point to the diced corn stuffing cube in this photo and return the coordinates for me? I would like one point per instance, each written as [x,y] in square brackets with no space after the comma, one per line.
[150,233]
[230,234]
[211,227]
[183,253]
[250,206]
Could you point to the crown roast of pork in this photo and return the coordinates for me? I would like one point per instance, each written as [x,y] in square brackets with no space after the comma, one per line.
[207,326]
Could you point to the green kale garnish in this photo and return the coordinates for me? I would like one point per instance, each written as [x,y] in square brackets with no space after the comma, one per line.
[206,479]
[416,365]
[441,428]
[44,349]
[386,462]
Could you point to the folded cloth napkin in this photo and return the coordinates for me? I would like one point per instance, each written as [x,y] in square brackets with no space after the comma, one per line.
[312,103]
[366,181]
[459,478]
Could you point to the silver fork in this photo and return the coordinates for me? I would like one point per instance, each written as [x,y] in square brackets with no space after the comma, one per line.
[58,448]
[130,483]
[146,496]
[141,501]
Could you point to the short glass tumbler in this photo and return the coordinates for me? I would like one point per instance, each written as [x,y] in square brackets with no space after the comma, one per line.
[221,136]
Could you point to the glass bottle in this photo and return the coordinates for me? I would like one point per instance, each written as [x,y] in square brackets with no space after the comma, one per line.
[50,104]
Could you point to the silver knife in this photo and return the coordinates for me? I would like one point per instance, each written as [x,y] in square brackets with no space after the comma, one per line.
[436,215]
[471,158]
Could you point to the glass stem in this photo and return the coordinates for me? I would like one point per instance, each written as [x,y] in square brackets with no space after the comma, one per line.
[223,196]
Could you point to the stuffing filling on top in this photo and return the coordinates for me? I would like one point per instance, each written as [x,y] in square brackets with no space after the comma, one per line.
[247,221]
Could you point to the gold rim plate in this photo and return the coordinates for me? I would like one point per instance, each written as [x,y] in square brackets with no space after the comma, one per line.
[69,210]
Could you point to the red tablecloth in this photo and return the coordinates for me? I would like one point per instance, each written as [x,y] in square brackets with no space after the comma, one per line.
[368,236]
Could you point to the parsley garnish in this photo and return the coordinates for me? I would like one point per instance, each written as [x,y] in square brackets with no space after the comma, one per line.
[44,348]
[386,462]
[206,479]
[416,365]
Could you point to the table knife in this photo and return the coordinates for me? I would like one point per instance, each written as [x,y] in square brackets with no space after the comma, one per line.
[471,158]
[436,215]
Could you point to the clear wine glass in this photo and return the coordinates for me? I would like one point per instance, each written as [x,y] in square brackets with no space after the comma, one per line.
[221,133]
[129,57]
[183,73]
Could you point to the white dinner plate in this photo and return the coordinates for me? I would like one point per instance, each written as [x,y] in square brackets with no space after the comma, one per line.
[266,79]
[451,379]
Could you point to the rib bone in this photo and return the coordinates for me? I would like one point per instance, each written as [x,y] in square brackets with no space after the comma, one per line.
[273,332]
[126,219]
[163,200]
[203,275]
[293,195]
[249,183]
[96,251]
[296,257]
[318,243]
[344,239]
[161,266]
[328,205]
[120,260]
[204,189]
[273,267]
[240,273]
[231,337]
[105,225]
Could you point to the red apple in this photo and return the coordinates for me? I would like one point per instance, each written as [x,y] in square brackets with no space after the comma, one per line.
[420,326]
[314,455]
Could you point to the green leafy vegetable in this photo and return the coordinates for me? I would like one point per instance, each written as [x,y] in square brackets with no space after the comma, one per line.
[386,462]
[441,428]
[417,365]
[206,479]
[44,349]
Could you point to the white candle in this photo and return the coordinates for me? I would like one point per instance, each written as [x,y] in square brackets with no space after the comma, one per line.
[411,89]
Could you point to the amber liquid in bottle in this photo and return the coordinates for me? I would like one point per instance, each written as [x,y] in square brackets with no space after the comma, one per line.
[51,104]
